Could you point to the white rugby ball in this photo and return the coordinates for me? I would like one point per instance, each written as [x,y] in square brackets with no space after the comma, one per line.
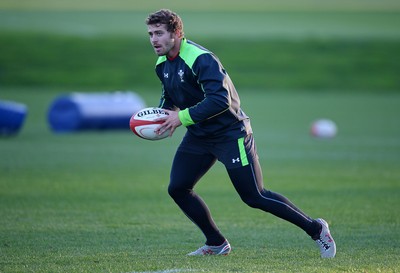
[323,128]
[143,123]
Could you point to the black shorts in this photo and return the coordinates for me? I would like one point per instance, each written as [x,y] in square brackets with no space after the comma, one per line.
[232,154]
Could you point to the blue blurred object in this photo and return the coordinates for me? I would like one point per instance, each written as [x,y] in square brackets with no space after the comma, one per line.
[12,116]
[93,111]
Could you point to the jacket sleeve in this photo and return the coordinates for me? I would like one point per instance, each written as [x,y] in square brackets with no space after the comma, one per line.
[215,83]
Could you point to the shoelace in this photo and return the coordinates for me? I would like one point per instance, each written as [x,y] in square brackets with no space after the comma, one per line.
[207,251]
[324,244]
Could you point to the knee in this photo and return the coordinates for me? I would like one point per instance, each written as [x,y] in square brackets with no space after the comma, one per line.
[176,191]
[172,190]
[251,201]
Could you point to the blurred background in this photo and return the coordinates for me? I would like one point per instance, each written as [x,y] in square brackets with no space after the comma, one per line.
[309,45]
[51,48]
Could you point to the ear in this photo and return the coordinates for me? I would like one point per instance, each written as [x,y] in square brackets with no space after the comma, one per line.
[178,33]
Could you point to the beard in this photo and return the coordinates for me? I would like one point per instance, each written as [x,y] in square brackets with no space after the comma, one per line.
[164,48]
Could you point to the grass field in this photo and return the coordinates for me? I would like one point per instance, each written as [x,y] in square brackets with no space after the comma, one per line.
[126,63]
[270,24]
[206,5]
[98,202]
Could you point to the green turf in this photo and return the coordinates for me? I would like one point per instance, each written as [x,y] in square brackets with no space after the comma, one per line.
[97,202]
[205,5]
[285,48]
[128,63]
[253,25]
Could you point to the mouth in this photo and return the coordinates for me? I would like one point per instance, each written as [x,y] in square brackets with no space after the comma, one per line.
[158,49]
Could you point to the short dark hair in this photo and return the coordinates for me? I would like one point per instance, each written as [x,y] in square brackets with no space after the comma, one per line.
[166,17]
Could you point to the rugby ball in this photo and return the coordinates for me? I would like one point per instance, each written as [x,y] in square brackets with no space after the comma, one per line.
[143,123]
[323,128]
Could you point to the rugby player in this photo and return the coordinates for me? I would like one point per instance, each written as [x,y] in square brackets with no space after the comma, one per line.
[198,93]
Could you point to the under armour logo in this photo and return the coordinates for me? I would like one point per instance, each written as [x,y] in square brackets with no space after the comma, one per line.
[166,75]
[235,160]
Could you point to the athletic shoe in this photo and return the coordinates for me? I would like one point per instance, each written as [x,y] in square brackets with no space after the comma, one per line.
[223,249]
[325,241]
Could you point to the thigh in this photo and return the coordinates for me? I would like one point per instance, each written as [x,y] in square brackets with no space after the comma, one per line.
[241,161]
[190,163]
[245,182]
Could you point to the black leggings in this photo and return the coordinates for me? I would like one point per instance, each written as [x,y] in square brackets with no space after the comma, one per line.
[188,168]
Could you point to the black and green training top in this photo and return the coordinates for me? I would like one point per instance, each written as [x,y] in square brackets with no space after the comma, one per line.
[197,83]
